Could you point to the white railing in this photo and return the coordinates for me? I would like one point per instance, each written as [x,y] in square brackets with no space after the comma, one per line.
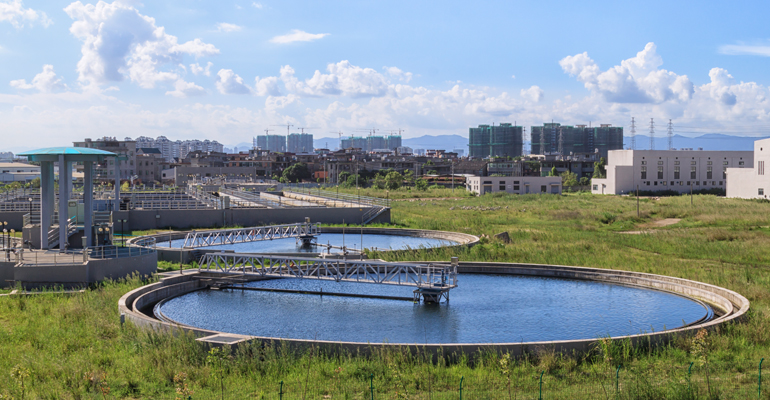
[254,234]
[363,271]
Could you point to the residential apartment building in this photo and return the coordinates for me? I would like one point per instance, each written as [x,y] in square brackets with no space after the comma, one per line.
[148,164]
[126,150]
[178,149]
[274,143]
[513,184]
[554,138]
[677,170]
[372,143]
[299,143]
[504,140]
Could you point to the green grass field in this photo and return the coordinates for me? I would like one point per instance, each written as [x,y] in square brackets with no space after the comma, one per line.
[74,346]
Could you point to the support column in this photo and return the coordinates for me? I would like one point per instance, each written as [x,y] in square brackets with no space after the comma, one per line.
[88,208]
[117,185]
[46,201]
[63,199]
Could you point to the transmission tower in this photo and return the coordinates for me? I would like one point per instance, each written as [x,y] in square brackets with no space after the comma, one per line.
[561,141]
[652,134]
[670,135]
[633,134]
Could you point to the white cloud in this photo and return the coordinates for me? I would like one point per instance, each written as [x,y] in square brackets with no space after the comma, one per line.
[397,73]
[297,35]
[228,82]
[745,50]
[257,5]
[45,82]
[635,80]
[225,27]
[533,94]
[266,86]
[196,69]
[119,42]
[343,79]
[15,13]
[186,89]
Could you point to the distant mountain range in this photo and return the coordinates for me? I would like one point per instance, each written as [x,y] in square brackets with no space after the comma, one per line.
[713,141]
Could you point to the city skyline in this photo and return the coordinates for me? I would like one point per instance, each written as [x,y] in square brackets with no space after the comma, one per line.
[227,71]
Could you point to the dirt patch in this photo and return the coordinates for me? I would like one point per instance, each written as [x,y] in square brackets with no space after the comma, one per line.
[650,227]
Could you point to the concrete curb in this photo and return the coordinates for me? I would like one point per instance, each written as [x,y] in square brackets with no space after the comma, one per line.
[728,305]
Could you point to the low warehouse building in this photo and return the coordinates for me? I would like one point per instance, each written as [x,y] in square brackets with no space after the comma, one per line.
[513,184]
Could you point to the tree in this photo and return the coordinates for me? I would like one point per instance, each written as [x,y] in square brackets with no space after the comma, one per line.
[379,182]
[393,180]
[432,172]
[421,184]
[296,173]
[124,187]
[343,177]
[585,181]
[553,172]
[599,169]
[568,179]
[409,177]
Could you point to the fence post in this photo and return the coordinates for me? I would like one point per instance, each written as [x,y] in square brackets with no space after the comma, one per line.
[617,381]
[280,392]
[462,378]
[540,396]
[371,385]
[759,382]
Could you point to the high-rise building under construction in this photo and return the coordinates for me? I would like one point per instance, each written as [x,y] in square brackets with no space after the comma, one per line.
[371,143]
[504,140]
[299,143]
[274,143]
[554,138]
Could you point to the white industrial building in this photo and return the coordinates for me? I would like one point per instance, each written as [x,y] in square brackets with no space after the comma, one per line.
[18,172]
[677,170]
[752,182]
[513,184]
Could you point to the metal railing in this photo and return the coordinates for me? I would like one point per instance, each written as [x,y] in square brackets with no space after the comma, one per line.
[111,251]
[249,197]
[327,194]
[363,271]
[254,234]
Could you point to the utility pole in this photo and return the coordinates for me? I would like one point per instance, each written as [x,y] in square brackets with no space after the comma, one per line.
[670,135]
[633,134]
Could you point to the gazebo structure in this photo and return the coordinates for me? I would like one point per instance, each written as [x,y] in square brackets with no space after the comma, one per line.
[65,156]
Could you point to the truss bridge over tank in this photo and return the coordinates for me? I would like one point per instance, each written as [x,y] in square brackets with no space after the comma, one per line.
[432,281]
[302,231]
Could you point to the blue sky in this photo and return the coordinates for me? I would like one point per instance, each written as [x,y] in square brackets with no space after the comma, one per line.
[228,70]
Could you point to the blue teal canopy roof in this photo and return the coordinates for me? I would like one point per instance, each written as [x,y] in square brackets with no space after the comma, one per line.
[55,151]
[70,154]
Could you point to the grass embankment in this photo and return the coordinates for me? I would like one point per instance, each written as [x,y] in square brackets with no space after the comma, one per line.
[74,346]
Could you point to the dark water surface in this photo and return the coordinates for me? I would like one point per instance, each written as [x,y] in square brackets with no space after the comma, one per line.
[351,240]
[483,309]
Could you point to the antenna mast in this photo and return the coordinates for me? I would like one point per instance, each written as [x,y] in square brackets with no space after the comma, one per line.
[670,135]
[652,134]
[633,134]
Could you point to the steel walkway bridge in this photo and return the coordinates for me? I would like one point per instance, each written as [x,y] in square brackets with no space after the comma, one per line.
[432,282]
[302,231]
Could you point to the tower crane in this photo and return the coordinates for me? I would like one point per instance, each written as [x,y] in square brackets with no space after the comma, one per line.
[287,127]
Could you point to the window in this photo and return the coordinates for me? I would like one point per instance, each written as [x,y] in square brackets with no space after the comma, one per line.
[761,192]
[724,163]
[543,188]
[708,163]
[724,173]
[487,182]
[709,172]
[596,187]
[693,173]
[502,182]
[740,163]
[720,183]
[676,171]
[502,188]
[515,182]
[655,183]
[644,172]
[760,167]
[644,162]
[660,162]
[676,162]
[672,183]
[515,187]
[660,172]
[692,162]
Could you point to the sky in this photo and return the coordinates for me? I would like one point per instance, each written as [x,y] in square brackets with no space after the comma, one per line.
[228,70]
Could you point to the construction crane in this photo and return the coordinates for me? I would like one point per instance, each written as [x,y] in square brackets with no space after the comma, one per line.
[254,140]
[302,130]
[340,139]
[287,127]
